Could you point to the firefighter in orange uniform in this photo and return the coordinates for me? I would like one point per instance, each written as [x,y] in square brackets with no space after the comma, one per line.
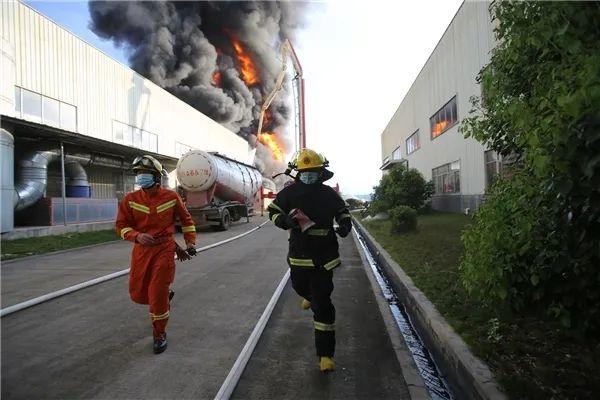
[147,218]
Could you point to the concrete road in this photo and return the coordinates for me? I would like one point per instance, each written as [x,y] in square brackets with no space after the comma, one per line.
[96,343]
[30,277]
[284,363]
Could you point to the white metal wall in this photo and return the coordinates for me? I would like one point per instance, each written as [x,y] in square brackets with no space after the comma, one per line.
[451,70]
[53,62]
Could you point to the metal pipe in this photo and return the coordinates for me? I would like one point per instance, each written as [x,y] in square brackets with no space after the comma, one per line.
[64,182]
[33,177]
[33,174]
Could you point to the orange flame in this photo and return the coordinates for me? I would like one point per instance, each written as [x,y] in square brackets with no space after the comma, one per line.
[438,128]
[270,140]
[216,78]
[249,72]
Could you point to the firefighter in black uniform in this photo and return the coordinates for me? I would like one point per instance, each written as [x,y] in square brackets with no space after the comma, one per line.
[313,253]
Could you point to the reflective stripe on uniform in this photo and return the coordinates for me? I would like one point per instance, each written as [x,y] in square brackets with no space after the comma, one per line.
[332,264]
[166,206]
[274,217]
[275,206]
[158,317]
[318,232]
[139,207]
[320,326]
[124,231]
[188,229]
[301,262]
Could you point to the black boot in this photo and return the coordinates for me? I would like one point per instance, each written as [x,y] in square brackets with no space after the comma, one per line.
[160,344]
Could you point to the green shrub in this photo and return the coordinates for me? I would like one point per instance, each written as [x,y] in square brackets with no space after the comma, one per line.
[536,240]
[401,186]
[403,219]
[355,203]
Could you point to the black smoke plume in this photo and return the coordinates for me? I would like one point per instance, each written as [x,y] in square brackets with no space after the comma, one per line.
[183,46]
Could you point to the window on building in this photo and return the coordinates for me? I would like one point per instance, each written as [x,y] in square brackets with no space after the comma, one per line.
[137,137]
[68,117]
[18,100]
[118,131]
[413,143]
[153,143]
[31,105]
[446,178]
[50,111]
[181,149]
[493,167]
[397,154]
[127,135]
[445,118]
[145,140]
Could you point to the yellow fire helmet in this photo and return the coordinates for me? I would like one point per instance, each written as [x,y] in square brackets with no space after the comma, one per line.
[147,162]
[309,159]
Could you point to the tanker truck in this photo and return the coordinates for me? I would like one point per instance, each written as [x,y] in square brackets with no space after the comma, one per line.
[217,190]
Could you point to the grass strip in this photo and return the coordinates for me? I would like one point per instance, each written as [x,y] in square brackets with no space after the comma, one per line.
[11,249]
[531,356]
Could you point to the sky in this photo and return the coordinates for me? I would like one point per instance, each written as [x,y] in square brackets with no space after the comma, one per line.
[359,60]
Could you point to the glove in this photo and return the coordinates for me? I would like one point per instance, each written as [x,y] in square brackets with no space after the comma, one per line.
[145,239]
[290,223]
[191,250]
[182,255]
[343,230]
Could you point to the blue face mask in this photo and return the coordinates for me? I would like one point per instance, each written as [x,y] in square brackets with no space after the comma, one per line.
[309,178]
[145,180]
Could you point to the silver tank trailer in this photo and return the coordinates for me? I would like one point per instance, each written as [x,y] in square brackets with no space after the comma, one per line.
[199,171]
[216,188]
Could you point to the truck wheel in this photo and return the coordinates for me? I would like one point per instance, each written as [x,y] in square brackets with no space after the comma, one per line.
[225,221]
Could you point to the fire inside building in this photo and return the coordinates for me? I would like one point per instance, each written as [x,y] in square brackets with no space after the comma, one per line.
[73,118]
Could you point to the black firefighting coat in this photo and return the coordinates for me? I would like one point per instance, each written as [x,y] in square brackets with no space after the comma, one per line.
[318,246]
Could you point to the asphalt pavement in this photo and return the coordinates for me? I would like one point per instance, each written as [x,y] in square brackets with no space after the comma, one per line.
[284,363]
[97,344]
[29,277]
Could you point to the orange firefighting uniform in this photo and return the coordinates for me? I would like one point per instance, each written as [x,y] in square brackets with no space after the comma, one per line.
[153,267]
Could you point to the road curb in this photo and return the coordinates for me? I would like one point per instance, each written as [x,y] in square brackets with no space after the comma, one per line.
[468,376]
[414,381]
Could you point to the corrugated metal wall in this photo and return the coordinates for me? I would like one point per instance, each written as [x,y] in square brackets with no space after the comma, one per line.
[451,70]
[53,62]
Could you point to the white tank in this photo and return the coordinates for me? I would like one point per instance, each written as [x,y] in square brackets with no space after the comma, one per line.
[229,180]
[7,83]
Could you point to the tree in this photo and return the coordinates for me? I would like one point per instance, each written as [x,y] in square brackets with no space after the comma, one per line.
[401,186]
[541,103]
[354,203]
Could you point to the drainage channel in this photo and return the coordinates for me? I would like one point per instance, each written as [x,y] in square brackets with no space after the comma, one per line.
[437,387]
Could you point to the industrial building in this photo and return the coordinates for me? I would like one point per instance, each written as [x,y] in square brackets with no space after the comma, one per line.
[69,110]
[424,131]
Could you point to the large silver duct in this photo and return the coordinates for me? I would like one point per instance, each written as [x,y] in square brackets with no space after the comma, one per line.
[33,175]
[75,174]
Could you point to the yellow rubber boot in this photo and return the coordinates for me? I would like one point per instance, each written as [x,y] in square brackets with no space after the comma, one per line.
[326,364]
[305,305]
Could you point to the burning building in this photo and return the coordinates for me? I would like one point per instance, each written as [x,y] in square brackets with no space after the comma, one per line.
[73,118]
[222,58]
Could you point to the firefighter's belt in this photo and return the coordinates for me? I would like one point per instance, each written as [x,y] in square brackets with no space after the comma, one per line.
[318,232]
